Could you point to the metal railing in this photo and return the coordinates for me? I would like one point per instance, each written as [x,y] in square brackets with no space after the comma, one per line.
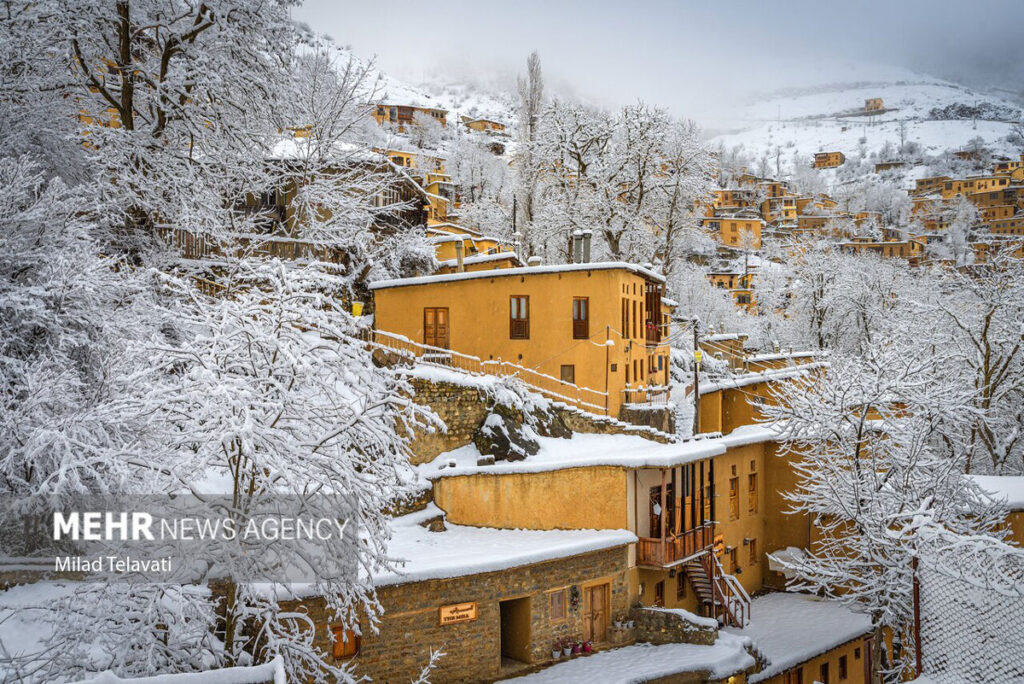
[672,550]
[584,398]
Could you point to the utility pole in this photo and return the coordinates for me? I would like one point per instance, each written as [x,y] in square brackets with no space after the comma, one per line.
[696,377]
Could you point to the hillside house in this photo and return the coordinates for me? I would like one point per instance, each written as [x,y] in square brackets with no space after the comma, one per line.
[873,104]
[404,115]
[484,125]
[598,327]
[735,231]
[882,167]
[828,160]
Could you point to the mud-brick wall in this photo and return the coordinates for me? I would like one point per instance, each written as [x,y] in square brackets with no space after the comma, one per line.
[410,626]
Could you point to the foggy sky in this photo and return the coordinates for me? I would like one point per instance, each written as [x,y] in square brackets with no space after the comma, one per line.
[698,59]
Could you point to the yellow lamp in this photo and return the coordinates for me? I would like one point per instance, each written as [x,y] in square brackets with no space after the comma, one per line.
[357,309]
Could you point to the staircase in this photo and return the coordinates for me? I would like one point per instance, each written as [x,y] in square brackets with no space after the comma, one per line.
[720,595]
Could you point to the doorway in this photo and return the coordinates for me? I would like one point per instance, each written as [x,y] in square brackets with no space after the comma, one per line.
[435,327]
[595,613]
[515,629]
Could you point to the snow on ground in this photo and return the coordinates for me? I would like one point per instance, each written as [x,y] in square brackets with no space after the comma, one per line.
[643,662]
[1007,488]
[811,119]
[429,555]
[256,674]
[793,628]
[22,632]
[582,450]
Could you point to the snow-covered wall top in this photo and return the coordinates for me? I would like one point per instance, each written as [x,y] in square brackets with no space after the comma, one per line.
[525,270]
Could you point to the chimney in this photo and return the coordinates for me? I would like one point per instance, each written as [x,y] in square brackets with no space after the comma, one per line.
[459,266]
[585,257]
[577,246]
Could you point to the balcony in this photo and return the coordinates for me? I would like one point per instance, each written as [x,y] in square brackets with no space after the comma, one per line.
[675,549]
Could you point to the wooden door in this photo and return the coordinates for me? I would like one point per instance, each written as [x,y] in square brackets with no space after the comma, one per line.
[595,613]
[435,327]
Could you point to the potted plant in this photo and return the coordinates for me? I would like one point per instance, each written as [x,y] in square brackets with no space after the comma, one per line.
[588,646]
[577,647]
[556,650]
[620,621]
[567,647]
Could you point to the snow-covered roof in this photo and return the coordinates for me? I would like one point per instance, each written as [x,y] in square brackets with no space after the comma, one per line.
[646,662]
[793,628]
[763,376]
[1006,488]
[722,337]
[523,271]
[291,147]
[481,259]
[584,450]
[462,550]
[778,356]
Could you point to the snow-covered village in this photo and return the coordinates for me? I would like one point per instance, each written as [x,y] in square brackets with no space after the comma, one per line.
[575,342]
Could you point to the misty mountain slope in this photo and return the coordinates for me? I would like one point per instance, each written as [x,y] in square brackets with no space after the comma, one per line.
[935,114]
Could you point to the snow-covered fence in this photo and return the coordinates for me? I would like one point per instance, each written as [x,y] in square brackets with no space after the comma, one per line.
[584,398]
[971,603]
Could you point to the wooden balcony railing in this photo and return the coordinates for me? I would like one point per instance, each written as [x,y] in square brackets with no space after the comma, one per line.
[657,552]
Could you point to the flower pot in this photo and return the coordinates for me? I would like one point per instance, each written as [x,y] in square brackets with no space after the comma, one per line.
[567,651]
[618,624]
[555,654]
[576,649]
[629,624]
[587,648]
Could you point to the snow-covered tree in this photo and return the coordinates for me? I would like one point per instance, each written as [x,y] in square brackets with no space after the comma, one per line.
[862,438]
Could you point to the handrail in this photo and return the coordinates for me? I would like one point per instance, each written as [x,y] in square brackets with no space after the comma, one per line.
[591,400]
[734,599]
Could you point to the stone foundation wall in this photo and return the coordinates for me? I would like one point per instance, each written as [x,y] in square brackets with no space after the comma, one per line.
[410,627]
[463,410]
[667,626]
[662,418]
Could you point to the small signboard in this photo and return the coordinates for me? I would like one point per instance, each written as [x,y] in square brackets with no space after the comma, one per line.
[458,612]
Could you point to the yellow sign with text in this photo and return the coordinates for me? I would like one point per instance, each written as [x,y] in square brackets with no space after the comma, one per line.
[458,612]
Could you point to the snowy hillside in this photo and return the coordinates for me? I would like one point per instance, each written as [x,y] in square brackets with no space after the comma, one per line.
[936,115]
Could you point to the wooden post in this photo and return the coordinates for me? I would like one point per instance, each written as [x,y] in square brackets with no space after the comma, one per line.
[664,514]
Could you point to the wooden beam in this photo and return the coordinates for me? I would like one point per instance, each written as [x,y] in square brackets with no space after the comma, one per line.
[663,516]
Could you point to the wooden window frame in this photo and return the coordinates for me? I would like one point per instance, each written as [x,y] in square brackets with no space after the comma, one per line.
[563,592]
[519,327]
[342,649]
[752,493]
[734,498]
[681,585]
[581,318]
[823,673]
[659,588]
[843,667]
[752,557]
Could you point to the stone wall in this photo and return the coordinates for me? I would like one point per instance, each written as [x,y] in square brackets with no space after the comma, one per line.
[668,626]
[464,409]
[410,626]
[661,418]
